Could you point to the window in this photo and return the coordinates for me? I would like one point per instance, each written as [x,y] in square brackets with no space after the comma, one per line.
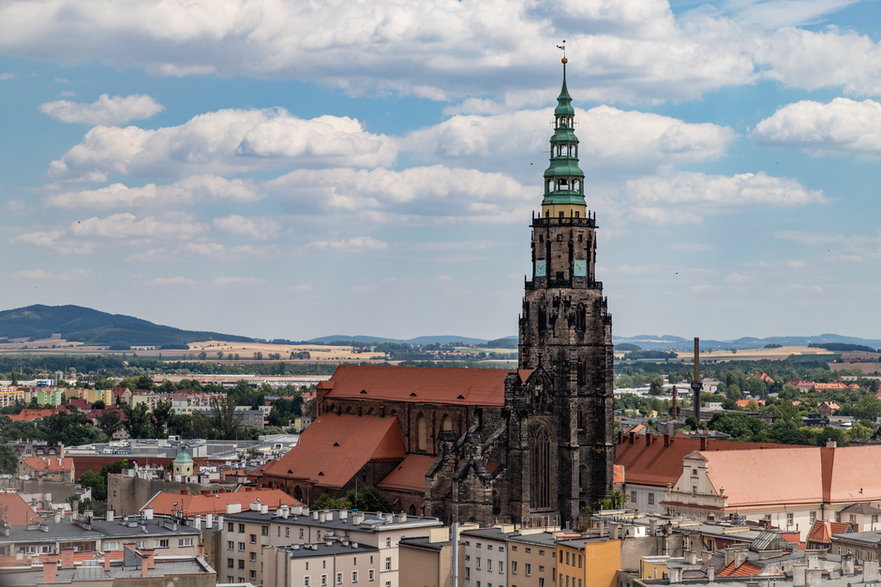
[252,556]
[478,545]
[241,547]
[230,527]
[306,581]
[241,564]
[253,538]
[323,581]
[230,545]
[241,528]
[339,578]
[528,550]
[580,560]
[388,563]
[632,497]
[853,518]
[694,491]
[651,498]
[230,563]
[264,531]
[185,542]
[513,567]
[287,532]
[370,574]
[489,565]
[354,576]
[388,543]
[528,568]
[467,572]
[501,567]
[478,563]
[162,543]
[388,584]
[813,517]
[301,534]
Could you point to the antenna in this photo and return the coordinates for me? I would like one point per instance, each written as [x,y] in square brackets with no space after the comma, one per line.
[696,383]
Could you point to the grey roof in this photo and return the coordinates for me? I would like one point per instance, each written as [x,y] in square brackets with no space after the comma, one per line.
[100,529]
[861,508]
[373,522]
[865,537]
[539,538]
[486,534]
[333,548]
[423,543]
[162,568]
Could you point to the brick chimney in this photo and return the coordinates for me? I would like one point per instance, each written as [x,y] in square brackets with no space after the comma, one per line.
[67,558]
[50,571]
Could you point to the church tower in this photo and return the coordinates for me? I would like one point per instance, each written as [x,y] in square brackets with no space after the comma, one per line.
[565,331]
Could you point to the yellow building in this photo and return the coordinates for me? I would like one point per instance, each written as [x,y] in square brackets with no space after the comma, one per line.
[182,466]
[588,562]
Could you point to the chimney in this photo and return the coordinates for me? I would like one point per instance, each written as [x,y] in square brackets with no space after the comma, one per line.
[50,571]
[674,574]
[831,443]
[798,576]
[67,558]
[870,571]
[106,561]
[151,557]
[110,515]
[632,437]
[711,574]
[145,570]
[666,441]
[739,557]
[847,565]
[148,513]
[814,578]
[209,521]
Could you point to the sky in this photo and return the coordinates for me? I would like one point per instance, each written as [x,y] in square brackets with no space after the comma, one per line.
[297,169]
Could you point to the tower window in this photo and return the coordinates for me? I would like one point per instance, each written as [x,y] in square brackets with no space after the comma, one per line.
[560,236]
[561,217]
[577,214]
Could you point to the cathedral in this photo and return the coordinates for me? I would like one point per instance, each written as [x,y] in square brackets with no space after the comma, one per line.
[531,446]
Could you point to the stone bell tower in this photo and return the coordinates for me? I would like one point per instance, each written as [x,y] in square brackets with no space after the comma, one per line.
[566,333]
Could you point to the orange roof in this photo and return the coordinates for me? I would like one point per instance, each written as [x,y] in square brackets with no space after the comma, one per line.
[746,569]
[28,415]
[409,475]
[822,531]
[335,447]
[167,503]
[446,385]
[617,474]
[797,474]
[49,464]
[15,511]
[658,465]
[854,473]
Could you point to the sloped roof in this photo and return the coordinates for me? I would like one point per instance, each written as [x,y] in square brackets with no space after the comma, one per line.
[49,464]
[15,511]
[797,474]
[166,502]
[409,475]
[484,387]
[854,473]
[336,446]
[746,569]
[865,509]
[822,531]
[30,414]
[657,465]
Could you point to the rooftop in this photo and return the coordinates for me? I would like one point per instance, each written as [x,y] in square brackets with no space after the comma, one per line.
[329,548]
[98,530]
[340,519]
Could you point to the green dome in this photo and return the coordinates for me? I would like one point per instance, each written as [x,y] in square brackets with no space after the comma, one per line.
[183,457]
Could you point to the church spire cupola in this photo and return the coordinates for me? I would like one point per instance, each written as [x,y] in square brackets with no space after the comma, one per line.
[563,179]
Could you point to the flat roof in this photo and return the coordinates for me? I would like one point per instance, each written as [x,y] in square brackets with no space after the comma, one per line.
[101,529]
[334,548]
[373,521]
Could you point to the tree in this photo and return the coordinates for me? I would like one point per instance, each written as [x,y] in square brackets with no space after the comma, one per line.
[226,421]
[615,500]
[98,405]
[8,460]
[96,482]
[161,416]
[368,499]
[739,426]
[110,422]
[326,502]
[138,423]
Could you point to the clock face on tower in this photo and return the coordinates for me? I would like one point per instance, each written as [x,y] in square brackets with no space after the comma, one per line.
[541,268]
[579,269]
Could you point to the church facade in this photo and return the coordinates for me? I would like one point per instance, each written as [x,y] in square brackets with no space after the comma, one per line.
[532,446]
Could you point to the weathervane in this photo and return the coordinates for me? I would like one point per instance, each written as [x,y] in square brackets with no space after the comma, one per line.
[563,49]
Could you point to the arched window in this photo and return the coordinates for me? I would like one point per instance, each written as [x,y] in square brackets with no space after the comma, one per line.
[298,493]
[446,423]
[422,433]
[540,493]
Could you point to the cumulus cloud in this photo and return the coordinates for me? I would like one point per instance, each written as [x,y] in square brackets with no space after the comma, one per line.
[448,192]
[235,280]
[224,142]
[105,110]
[354,245]
[843,127]
[189,190]
[128,226]
[257,228]
[684,197]
[40,239]
[612,140]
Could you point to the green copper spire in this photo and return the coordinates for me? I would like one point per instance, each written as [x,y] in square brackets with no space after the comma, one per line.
[563,179]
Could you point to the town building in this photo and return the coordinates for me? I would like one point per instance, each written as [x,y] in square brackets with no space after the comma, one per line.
[532,446]
[588,562]
[245,536]
[334,562]
[58,469]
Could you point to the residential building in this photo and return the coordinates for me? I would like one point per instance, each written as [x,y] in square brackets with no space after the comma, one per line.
[864,546]
[532,559]
[588,562]
[334,562]
[426,560]
[484,553]
[246,534]
[187,505]
[59,469]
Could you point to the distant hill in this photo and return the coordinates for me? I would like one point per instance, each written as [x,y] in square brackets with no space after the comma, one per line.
[419,340]
[93,327]
[676,343]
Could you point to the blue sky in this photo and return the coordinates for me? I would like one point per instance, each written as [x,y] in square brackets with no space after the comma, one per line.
[292,169]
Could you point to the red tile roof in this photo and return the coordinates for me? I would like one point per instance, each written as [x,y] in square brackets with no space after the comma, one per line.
[446,385]
[658,465]
[335,447]
[746,569]
[409,475]
[29,415]
[822,531]
[167,503]
[743,474]
[49,464]
[15,511]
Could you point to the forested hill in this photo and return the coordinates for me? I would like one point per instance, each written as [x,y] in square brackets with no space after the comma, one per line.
[93,327]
